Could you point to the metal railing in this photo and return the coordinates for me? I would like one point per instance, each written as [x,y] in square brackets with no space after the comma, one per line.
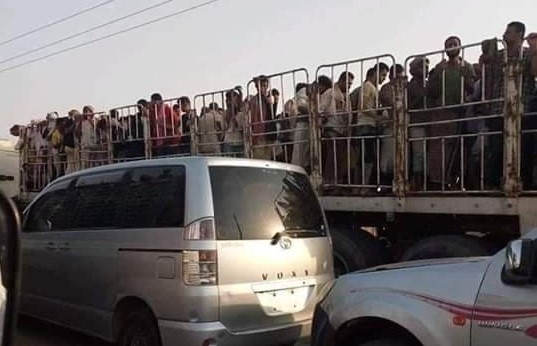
[278,117]
[356,130]
[450,131]
[450,124]
[220,123]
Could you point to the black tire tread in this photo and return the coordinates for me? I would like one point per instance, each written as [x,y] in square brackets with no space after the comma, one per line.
[144,316]
[445,246]
[360,249]
[385,342]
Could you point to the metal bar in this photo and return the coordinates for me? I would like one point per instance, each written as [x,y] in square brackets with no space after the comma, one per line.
[462,170]
[425,157]
[443,82]
[353,61]
[443,181]
[377,77]
[377,149]
[348,156]
[482,162]
[361,94]
[452,136]
[436,52]
[316,140]
[362,159]
[462,78]
[451,121]
[334,159]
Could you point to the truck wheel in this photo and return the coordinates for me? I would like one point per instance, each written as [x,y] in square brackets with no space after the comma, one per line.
[444,246]
[354,250]
[139,329]
[385,342]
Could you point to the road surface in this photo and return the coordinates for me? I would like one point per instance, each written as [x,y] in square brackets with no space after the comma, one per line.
[32,332]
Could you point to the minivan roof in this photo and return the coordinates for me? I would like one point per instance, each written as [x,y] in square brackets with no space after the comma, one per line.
[192,160]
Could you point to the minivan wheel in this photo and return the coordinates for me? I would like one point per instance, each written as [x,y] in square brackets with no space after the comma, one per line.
[139,329]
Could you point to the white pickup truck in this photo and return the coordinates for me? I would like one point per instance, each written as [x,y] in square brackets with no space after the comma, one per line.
[486,301]
[9,168]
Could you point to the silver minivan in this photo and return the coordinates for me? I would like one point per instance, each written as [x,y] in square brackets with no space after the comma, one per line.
[180,251]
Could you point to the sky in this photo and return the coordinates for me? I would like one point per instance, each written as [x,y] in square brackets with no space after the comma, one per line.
[219,46]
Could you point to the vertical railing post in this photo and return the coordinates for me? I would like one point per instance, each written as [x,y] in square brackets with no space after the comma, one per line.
[315,136]
[194,128]
[147,136]
[400,134]
[109,144]
[513,110]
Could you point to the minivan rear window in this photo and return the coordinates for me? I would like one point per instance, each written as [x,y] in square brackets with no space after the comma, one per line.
[253,203]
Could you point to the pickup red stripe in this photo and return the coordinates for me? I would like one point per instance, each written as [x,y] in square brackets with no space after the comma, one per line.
[532,332]
[477,312]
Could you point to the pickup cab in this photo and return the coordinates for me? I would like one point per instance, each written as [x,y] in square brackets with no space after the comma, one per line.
[483,301]
[9,169]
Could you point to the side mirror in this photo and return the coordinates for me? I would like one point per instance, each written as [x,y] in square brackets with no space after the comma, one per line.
[519,267]
[10,269]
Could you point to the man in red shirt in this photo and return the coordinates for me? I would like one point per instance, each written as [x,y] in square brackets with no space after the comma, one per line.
[164,127]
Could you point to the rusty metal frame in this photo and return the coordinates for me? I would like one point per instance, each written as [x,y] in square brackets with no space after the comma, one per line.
[513,112]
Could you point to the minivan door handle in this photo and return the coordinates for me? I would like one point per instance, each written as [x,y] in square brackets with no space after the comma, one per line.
[51,246]
[64,247]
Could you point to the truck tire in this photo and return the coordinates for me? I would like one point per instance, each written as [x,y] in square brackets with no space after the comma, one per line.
[445,246]
[354,250]
[386,342]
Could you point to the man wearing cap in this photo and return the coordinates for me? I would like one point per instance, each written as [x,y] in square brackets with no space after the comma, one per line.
[88,139]
[450,84]
[416,98]
[70,142]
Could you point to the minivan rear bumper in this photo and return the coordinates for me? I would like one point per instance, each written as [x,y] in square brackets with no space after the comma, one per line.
[175,333]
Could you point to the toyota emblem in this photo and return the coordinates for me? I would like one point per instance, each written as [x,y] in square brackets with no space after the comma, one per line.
[286,243]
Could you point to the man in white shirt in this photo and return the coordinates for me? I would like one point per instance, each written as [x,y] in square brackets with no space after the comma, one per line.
[211,128]
[335,108]
[234,124]
[368,120]
[88,138]
[301,138]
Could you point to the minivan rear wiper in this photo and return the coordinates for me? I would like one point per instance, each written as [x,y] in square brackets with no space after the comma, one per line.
[277,236]
[239,228]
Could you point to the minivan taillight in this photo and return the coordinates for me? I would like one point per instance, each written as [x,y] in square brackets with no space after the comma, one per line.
[200,230]
[200,268]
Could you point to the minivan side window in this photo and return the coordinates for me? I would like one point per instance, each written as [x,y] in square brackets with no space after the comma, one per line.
[155,197]
[99,197]
[52,211]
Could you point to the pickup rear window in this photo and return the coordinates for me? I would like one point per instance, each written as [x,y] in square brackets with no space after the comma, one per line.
[253,203]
